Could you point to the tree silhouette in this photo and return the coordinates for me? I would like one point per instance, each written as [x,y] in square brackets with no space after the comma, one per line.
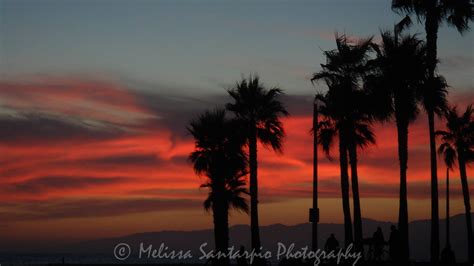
[449,157]
[258,111]
[458,142]
[399,74]
[328,130]
[346,117]
[219,156]
[456,13]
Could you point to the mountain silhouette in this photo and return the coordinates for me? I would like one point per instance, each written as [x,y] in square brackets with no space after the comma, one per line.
[299,234]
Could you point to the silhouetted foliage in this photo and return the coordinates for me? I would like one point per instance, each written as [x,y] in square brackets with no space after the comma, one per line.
[433,13]
[219,156]
[458,143]
[399,74]
[348,116]
[258,111]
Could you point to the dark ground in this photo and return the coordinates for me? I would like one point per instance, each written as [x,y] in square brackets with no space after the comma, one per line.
[290,264]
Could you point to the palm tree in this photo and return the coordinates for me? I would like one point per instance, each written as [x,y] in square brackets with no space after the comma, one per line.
[400,74]
[345,117]
[328,130]
[258,111]
[458,139]
[219,156]
[456,13]
[449,157]
[362,136]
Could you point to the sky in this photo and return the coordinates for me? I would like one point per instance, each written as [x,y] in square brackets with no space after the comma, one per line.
[95,97]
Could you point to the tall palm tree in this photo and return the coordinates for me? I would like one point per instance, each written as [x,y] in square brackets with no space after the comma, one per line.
[329,130]
[259,112]
[456,13]
[343,74]
[400,74]
[449,157]
[458,138]
[219,156]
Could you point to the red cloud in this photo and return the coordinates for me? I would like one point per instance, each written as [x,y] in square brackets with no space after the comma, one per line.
[48,156]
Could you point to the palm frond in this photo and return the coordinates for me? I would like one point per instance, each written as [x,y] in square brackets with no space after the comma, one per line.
[458,138]
[256,106]
[448,153]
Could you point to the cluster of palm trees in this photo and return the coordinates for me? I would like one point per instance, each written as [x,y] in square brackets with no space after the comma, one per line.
[396,83]
[433,13]
[368,83]
[458,145]
[226,151]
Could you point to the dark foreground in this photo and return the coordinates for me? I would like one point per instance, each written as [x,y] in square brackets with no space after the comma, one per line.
[281,264]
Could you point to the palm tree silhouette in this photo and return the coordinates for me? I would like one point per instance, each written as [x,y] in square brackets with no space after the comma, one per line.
[258,111]
[400,75]
[449,157]
[345,118]
[458,142]
[330,128]
[219,156]
[456,13]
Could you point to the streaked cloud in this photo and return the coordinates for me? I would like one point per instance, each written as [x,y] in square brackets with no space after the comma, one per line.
[89,207]
[457,62]
[56,149]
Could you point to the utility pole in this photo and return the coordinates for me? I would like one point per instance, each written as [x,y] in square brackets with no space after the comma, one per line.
[314,212]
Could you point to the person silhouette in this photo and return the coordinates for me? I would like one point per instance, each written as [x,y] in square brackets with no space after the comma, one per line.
[394,243]
[242,259]
[331,244]
[379,242]
[447,255]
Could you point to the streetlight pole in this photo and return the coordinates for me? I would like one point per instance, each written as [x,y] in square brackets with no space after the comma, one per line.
[314,212]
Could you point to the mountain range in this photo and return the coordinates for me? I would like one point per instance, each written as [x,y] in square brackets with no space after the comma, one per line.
[299,234]
[102,250]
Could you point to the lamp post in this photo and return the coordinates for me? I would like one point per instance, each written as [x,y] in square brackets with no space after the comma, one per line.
[314,212]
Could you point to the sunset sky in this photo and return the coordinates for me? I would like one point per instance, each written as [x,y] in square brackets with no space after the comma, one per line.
[95,97]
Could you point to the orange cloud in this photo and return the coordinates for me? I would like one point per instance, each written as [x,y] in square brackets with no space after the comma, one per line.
[71,140]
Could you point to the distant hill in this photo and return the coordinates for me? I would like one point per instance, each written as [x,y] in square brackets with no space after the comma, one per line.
[270,235]
[297,234]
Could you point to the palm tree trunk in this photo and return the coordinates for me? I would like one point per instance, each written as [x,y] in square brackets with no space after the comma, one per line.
[221,223]
[448,238]
[356,198]
[348,238]
[434,193]
[467,204]
[225,232]
[402,131]
[254,227]
[431,28]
